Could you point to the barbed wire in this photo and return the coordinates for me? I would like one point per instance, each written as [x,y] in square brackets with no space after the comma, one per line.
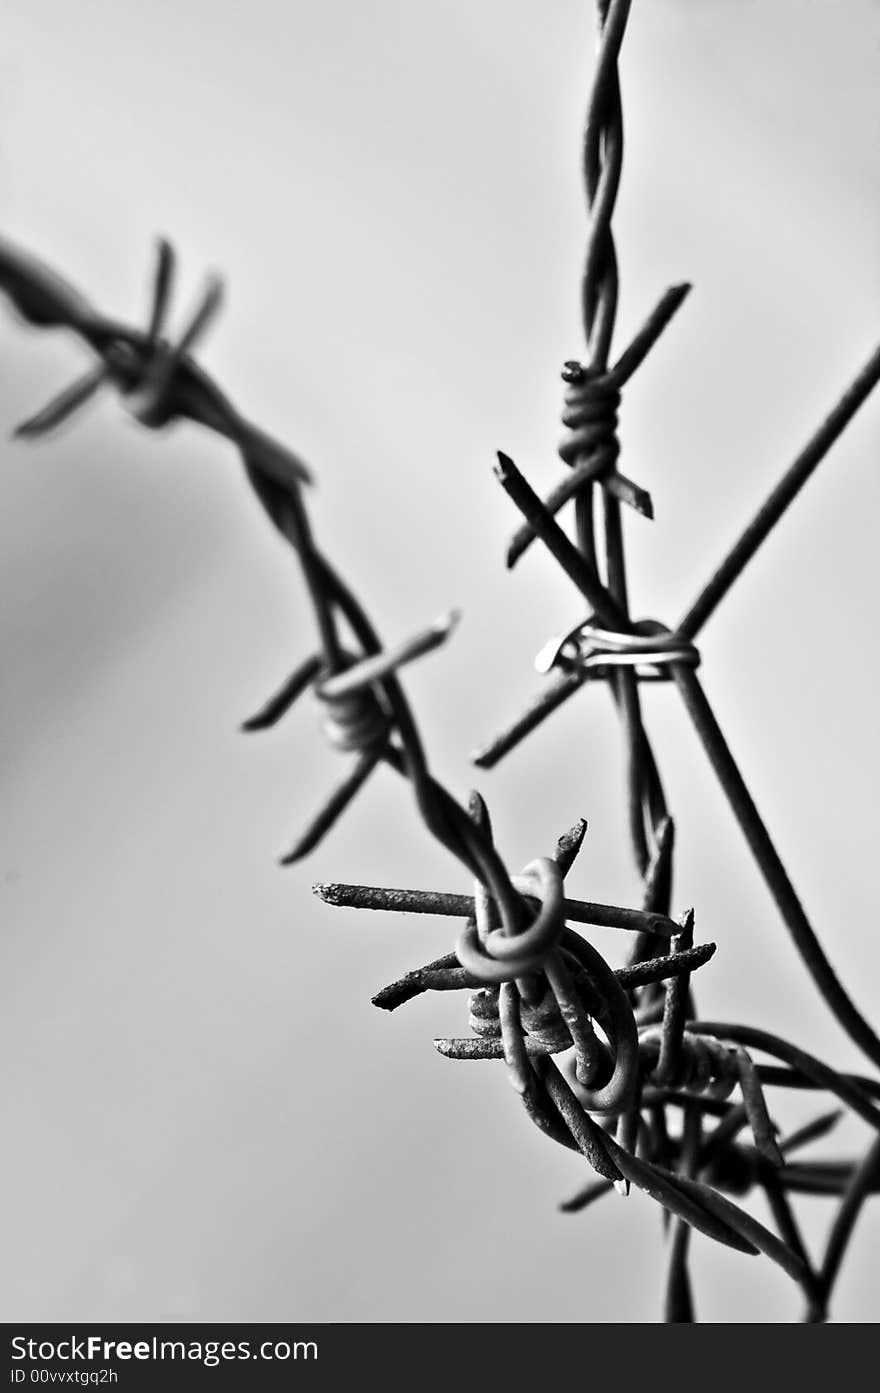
[637,1053]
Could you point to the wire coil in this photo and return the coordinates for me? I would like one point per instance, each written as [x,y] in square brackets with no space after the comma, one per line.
[703,1065]
[357,721]
[589,414]
[650,648]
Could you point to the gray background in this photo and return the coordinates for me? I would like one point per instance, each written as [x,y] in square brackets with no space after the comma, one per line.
[205,1116]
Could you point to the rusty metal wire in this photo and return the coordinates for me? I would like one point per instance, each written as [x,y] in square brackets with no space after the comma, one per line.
[637,1057]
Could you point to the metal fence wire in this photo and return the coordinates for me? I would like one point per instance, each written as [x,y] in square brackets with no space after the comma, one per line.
[616,1065]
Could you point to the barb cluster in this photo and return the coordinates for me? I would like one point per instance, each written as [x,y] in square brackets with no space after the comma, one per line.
[613,1064]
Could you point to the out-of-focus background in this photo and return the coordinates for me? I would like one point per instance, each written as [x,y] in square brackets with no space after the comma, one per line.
[205,1117]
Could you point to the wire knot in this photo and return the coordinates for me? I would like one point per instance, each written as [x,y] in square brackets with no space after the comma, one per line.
[493,956]
[589,414]
[147,369]
[353,721]
[149,388]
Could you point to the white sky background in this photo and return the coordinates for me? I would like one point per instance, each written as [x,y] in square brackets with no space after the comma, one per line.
[207,1119]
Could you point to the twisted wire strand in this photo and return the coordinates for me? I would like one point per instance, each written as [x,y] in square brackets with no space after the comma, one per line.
[602,165]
